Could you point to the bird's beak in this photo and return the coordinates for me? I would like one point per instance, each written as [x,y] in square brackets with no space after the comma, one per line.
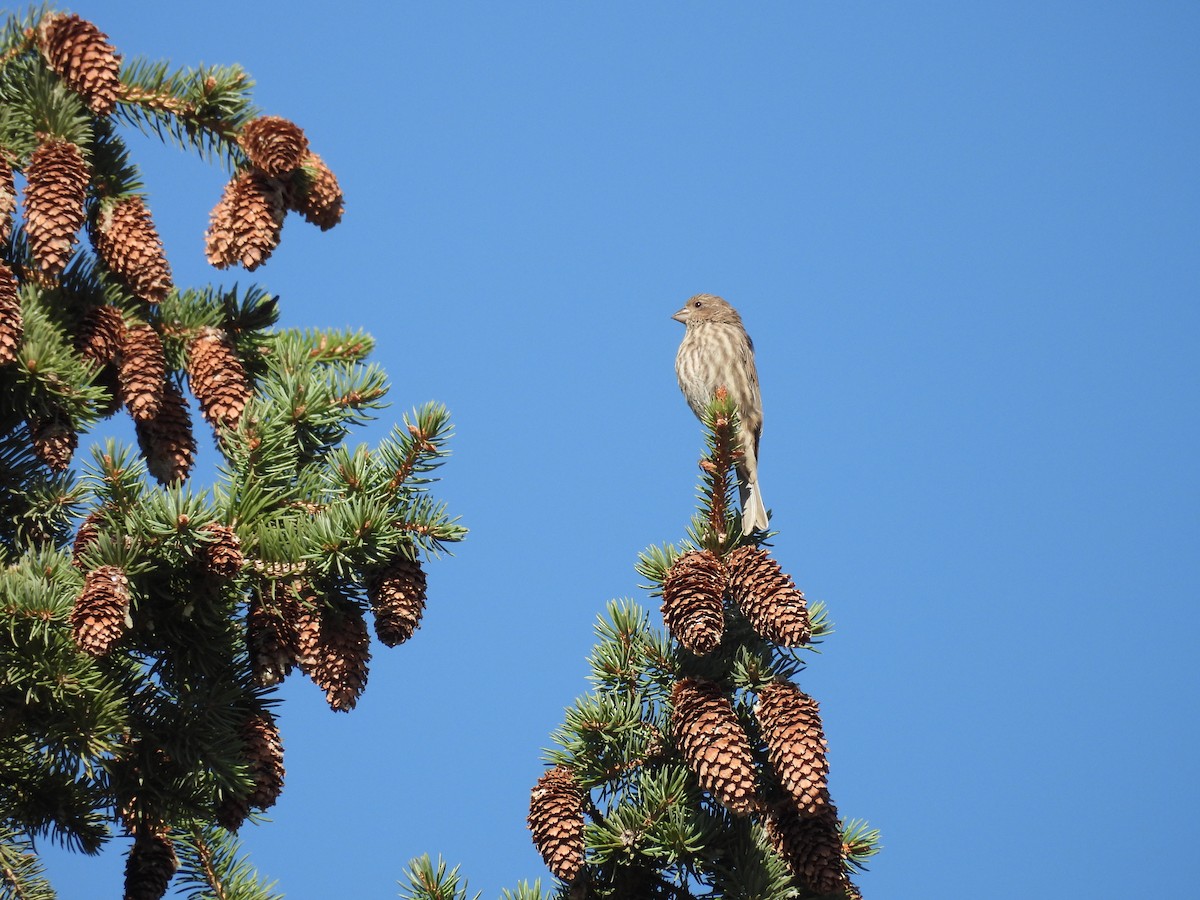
[681,316]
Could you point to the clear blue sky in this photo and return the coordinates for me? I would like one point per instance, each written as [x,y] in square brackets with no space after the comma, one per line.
[964,237]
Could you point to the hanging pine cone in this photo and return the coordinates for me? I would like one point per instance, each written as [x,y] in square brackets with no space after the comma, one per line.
[217,378]
[150,866]
[333,649]
[245,225]
[791,728]
[693,606]
[101,335]
[143,372]
[12,325]
[271,633]
[85,537]
[223,555]
[263,754]
[231,811]
[101,610]
[811,847]
[556,820]
[768,598]
[54,441]
[264,759]
[56,186]
[166,441]
[397,596]
[714,744]
[128,242]
[82,56]
[8,196]
[273,145]
[314,192]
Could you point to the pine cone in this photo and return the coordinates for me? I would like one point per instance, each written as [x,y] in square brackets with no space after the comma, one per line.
[333,650]
[263,751]
[397,596]
[8,196]
[217,378]
[231,811]
[12,326]
[101,335]
[129,244]
[101,609]
[811,847]
[143,372]
[88,533]
[693,606]
[791,728]
[271,633]
[82,56]
[274,145]
[150,866]
[264,758]
[244,227]
[714,744]
[768,598]
[56,186]
[166,441]
[54,441]
[314,192]
[556,820]
[223,555]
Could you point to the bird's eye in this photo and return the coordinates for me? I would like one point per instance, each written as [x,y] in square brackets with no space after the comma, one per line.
[697,304]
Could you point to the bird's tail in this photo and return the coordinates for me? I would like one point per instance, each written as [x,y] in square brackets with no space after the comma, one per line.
[754,513]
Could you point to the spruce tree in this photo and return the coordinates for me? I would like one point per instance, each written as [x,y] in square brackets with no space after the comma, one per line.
[695,766]
[146,621]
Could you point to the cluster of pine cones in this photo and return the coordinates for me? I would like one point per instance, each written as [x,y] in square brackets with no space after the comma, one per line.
[799,818]
[125,348]
[289,625]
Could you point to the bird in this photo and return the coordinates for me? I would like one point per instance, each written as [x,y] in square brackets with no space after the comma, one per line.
[717,352]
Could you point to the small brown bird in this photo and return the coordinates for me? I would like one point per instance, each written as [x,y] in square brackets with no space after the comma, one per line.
[716,352]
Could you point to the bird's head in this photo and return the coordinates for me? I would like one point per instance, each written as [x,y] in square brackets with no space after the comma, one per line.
[707,308]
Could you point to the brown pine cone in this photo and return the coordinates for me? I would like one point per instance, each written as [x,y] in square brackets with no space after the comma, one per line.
[223,555]
[271,635]
[217,378]
[128,242]
[245,225]
[397,596]
[768,598]
[274,145]
[100,613]
[54,441]
[556,820]
[88,533]
[811,847]
[314,192]
[82,56]
[166,441]
[693,606]
[333,649]
[150,866]
[101,335]
[264,757]
[56,186]
[8,196]
[12,325]
[714,744]
[143,372]
[791,728]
